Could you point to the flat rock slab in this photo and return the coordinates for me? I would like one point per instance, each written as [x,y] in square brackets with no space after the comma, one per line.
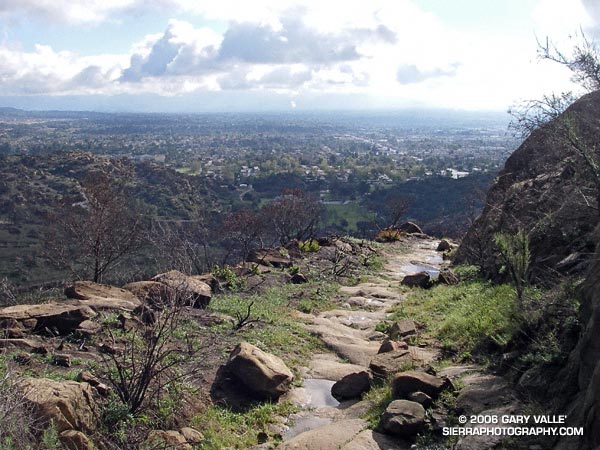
[348,343]
[24,344]
[331,369]
[485,442]
[369,290]
[371,440]
[101,296]
[329,437]
[482,392]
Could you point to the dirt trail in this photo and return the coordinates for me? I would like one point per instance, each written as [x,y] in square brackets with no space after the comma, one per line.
[350,336]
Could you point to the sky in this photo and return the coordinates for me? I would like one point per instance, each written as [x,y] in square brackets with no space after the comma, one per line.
[253,55]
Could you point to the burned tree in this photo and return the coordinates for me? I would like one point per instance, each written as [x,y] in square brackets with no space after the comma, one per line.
[294,215]
[91,237]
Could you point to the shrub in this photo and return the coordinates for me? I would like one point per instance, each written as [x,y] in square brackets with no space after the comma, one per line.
[514,250]
[389,235]
[311,245]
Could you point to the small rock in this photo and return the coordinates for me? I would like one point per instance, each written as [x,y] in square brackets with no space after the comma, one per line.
[170,439]
[389,345]
[402,328]
[385,364]
[262,437]
[298,278]
[13,333]
[191,435]
[107,349]
[22,358]
[421,398]
[443,246]
[75,440]
[352,385]
[421,279]
[403,418]
[406,383]
[446,276]
[89,328]
[62,360]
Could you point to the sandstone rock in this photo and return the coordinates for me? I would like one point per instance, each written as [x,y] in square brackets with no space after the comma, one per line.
[352,385]
[152,293]
[270,257]
[100,387]
[410,227]
[89,328]
[25,344]
[421,279]
[372,440]
[102,296]
[422,398]
[75,440]
[191,435]
[298,278]
[405,383]
[385,364]
[443,246]
[61,359]
[167,439]
[446,276]
[68,403]
[343,246]
[199,293]
[403,418]
[402,328]
[389,345]
[64,318]
[328,437]
[261,372]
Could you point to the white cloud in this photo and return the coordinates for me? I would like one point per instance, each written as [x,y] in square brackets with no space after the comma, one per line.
[391,50]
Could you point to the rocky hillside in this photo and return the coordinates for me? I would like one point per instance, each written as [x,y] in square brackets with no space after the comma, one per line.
[547,190]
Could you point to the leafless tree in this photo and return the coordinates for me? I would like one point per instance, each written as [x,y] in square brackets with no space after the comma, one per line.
[245,230]
[91,237]
[294,215]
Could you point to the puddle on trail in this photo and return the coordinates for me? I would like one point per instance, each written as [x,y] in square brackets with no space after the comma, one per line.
[315,396]
[416,268]
[318,393]
[437,259]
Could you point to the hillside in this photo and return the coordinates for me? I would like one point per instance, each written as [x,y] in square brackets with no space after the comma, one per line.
[547,190]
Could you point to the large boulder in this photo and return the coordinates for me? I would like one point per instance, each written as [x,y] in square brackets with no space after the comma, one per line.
[101,296]
[75,440]
[410,227]
[406,383]
[420,279]
[403,418]
[62,317]
[352,385]
[443,246]
[191,290]
[271,257]
[152,293]
[264,374]
[69,404]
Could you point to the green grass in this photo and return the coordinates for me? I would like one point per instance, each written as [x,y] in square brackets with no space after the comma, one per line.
[465,317]
[277,330]
[379,397]
[223,428]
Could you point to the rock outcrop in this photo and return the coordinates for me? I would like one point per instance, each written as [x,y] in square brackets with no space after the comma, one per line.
[547,190]
[101,296]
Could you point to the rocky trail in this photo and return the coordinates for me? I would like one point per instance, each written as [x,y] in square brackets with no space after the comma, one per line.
[356,355]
